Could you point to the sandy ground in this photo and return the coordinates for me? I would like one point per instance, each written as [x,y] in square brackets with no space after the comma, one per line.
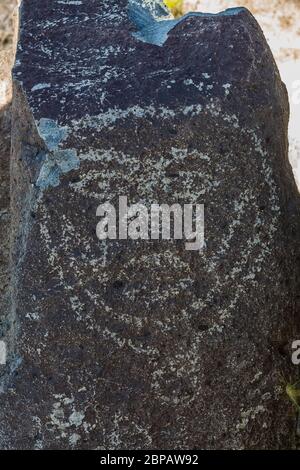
[7,40]
[279,19]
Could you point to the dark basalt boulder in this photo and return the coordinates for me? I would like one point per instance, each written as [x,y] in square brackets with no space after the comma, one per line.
[142,344]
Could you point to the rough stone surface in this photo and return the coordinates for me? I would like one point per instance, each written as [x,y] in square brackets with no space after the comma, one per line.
[4,217]
[142,344]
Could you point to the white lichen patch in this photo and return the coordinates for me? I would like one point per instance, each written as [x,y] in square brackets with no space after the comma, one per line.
[64,418]
[34,316]
[69,2]
[74,439]
[227,87]
[76,418]
[190,82]
[3,353]
[41,86]
[77,307]
[113,115]
[249,415]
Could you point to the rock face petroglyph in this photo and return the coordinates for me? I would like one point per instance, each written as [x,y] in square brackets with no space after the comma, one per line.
[141,344]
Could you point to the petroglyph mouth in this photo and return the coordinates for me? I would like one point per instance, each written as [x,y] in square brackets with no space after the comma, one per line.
[154,24]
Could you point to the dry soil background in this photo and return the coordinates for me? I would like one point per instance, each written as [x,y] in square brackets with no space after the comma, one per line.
[7,36]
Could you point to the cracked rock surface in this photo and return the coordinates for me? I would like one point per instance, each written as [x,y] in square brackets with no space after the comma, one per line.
[142,344]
